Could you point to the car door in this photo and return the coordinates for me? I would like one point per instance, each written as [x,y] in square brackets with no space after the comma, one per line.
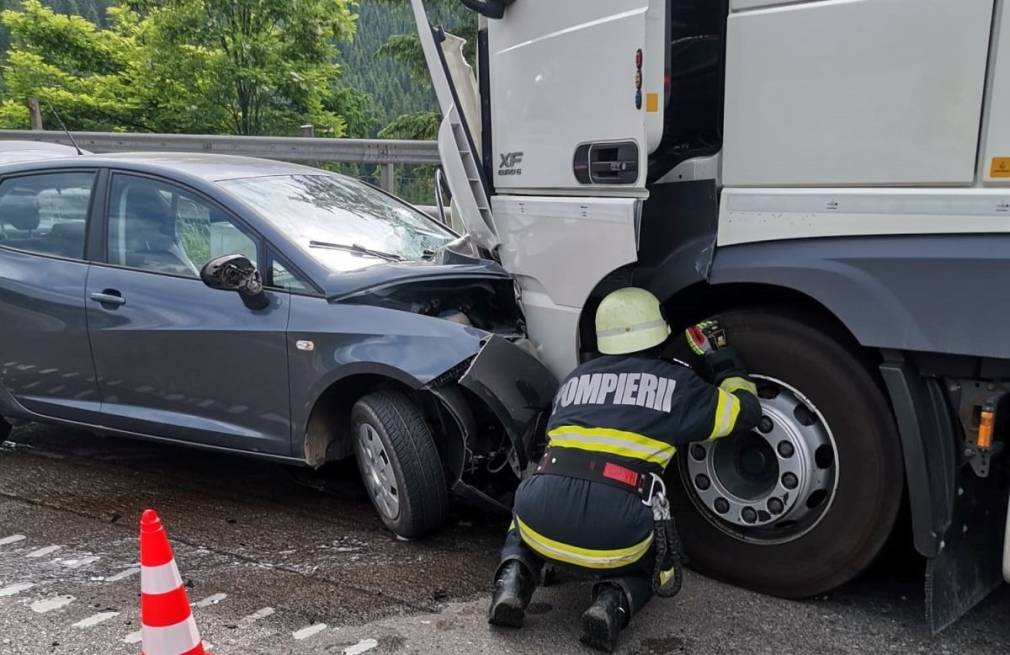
[44,351]
[175,358]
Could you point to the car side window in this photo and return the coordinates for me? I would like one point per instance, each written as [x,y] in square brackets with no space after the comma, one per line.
[46,213]
[282,278]
[156,226]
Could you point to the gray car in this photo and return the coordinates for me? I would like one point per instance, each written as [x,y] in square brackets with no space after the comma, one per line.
[266,309]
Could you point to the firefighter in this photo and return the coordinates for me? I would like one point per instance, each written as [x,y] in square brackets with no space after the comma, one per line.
[596,501]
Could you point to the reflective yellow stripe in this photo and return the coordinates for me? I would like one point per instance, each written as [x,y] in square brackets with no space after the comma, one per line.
[512,526]
[584,557]
[615,442]
[726,411]
[664,576]
[729,385]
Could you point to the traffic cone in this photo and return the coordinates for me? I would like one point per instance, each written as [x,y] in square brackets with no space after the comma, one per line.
[166,622]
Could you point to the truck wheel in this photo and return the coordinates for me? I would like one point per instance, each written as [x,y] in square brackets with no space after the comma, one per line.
[399,464]
[805,502]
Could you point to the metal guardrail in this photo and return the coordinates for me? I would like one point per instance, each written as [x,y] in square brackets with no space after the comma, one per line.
[386,153]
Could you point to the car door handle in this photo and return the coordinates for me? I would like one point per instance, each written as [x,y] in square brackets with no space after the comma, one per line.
[109,297]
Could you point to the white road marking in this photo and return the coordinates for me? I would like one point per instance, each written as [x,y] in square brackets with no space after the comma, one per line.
[78,563]
[13,539]
[210,600]
[42,552]
[133,637]
[257,615]
[123,574]
[362,646]
[307,632]
[17,588]
[95,619]
[50,604]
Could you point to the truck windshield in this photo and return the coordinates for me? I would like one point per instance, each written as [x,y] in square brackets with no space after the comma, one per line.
[328,213]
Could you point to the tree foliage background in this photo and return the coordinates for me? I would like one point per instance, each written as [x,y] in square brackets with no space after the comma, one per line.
[252,67]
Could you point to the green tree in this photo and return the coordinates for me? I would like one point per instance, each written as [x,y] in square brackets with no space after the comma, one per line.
[242,66]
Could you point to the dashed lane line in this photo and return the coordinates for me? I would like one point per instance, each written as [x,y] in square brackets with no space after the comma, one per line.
[79,563]
[210,600]
[42,552]
[14,589]
[257,615]
[13,539]
[362,646]
[133,637]
[50,604]
[122,575]
[308,631]
[95,619]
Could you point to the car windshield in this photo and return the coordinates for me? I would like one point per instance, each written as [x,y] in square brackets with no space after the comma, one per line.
[342,223]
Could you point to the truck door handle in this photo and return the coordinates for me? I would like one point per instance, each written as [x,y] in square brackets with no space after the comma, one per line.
[109,297]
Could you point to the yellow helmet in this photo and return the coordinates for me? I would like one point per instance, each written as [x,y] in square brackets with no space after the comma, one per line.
[629,320]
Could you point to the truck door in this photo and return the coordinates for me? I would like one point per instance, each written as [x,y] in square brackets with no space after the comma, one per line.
[575,95]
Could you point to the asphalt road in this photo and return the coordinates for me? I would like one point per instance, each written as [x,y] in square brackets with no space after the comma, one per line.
[273,565]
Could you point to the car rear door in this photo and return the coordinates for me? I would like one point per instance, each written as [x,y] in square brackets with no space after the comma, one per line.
[44,351]
[175,358]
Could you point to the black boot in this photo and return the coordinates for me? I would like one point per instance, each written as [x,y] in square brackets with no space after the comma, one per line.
[513,589]
[605,619]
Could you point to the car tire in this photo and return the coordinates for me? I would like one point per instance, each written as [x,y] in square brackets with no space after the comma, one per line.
[399,464]
[856,524]
[5,428]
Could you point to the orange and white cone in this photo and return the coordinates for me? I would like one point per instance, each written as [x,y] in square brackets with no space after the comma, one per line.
[167,625]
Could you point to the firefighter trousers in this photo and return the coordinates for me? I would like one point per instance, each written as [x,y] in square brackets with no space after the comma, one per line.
[553,511]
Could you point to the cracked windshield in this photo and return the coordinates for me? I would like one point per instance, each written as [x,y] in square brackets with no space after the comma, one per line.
[344,224]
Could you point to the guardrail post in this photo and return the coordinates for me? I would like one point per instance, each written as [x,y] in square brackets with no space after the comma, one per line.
[35,114]
[387,178]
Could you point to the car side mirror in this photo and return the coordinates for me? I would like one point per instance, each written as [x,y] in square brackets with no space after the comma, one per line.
[489,8]
[236,273]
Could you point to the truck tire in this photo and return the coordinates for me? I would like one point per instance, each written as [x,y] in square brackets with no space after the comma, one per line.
[399,464]
[839,527]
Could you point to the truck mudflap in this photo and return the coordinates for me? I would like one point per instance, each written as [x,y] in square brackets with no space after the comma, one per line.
[968,567]
[516,387]
[1006,546]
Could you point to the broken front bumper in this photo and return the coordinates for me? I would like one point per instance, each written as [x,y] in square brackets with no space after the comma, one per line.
[518,390]
[516,386]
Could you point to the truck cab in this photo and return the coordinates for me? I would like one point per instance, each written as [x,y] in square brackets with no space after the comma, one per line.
[832,180]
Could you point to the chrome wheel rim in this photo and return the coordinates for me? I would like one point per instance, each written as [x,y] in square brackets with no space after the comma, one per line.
[377,472]
[771,485]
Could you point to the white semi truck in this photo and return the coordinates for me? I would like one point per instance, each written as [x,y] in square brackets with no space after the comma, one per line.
[829,177]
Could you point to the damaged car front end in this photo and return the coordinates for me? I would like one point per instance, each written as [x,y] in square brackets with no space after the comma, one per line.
[487,409]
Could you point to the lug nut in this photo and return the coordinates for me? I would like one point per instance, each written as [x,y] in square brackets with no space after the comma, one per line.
[789,481]
[775,506]
[749,515]
[698,452]
[721,505]
[786,449]
[765,424]
[702,482]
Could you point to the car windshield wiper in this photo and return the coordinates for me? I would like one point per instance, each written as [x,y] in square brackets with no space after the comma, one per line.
[359,249]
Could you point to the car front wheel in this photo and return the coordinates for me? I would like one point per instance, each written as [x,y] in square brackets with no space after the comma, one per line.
[399,463]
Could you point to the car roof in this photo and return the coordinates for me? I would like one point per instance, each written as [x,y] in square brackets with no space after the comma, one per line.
[12,152]
[209,167]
